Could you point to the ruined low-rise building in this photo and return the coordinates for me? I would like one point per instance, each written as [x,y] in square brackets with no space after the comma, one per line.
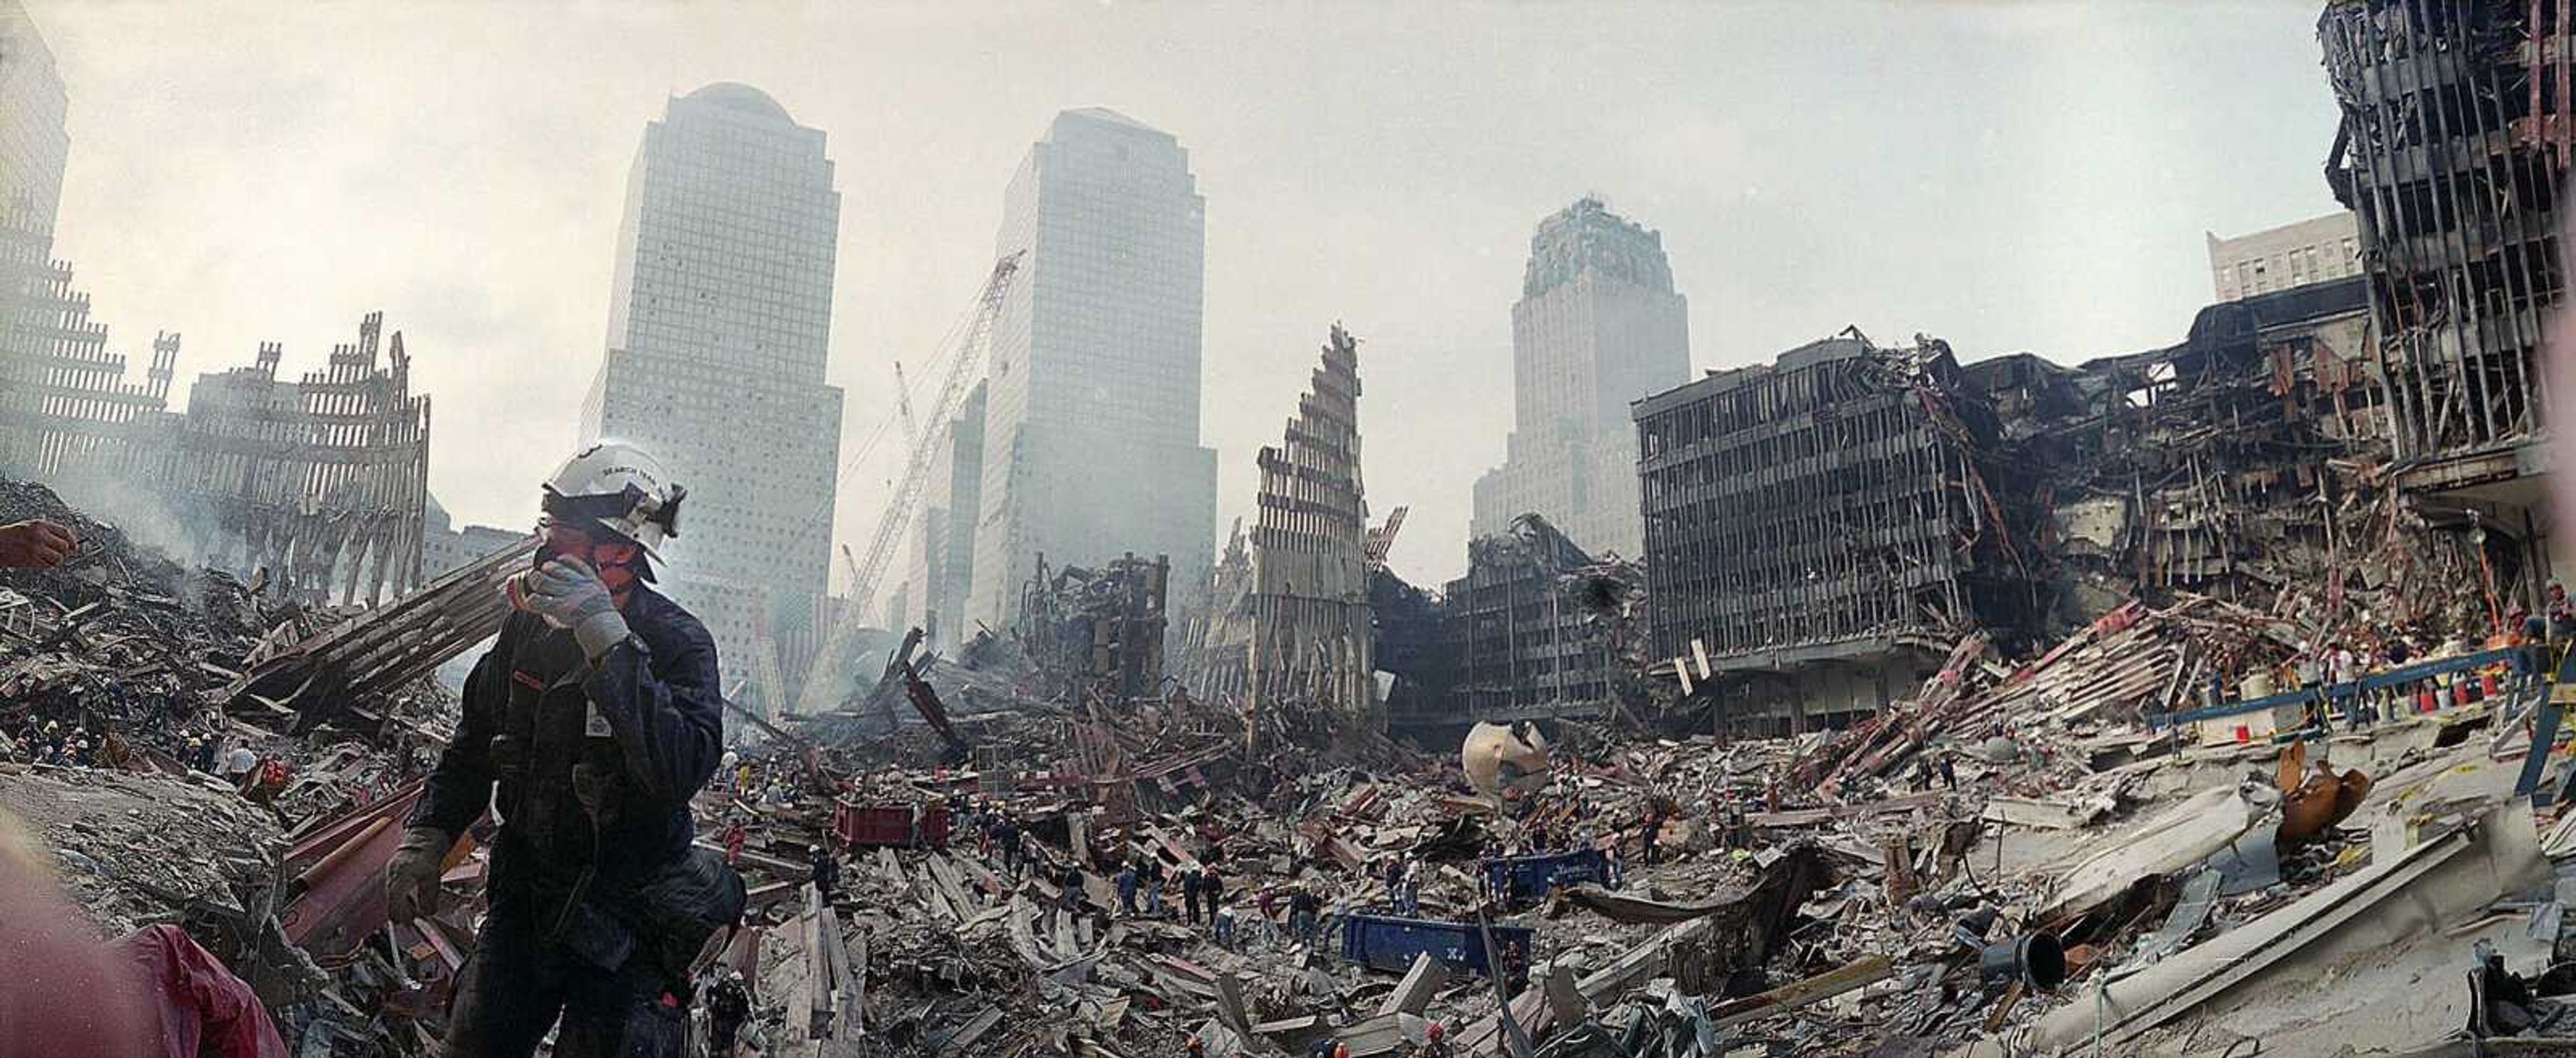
[1823,529]
[1416,651]
[445,545]
[2234,463]
[1097,632]
[1522,638]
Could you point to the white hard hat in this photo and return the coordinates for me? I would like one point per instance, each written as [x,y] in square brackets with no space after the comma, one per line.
[618,487]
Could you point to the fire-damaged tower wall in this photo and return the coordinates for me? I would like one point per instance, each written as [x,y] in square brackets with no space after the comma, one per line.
[64,401]
[2452,148]
[323,481]
[1819,530]
[1292,620]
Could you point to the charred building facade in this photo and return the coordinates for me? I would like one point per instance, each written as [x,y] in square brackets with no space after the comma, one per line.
[322,480]
[1821,529]
[64,398]
[1097,634]
[2238,463]
[2452,152]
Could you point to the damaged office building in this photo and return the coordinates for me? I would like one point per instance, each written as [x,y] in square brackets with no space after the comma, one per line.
[1823,529]
[1537,628]
[2452,152]
[1820,530]
[1097,632]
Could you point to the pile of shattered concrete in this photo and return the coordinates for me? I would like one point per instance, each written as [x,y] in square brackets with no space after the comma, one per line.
[2090,848]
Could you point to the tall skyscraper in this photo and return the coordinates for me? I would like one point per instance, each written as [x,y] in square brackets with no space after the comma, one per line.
[719,323]
[34,140]
[64,400]
[1598,325]
[1091,431]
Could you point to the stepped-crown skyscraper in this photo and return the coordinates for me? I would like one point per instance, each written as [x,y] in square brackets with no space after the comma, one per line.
[1598,325]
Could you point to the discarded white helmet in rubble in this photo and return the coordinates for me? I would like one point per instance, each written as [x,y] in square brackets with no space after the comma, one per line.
[618,487]
[1504,760]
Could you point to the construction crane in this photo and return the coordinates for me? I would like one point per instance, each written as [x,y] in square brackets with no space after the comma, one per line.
[832,673]
[902,406]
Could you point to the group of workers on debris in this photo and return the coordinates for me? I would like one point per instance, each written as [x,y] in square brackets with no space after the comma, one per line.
[257,776]
[2344,661]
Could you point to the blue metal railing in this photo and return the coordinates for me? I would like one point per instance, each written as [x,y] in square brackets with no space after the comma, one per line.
[2517,657]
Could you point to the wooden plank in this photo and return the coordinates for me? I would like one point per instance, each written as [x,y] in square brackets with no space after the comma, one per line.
[1796,994]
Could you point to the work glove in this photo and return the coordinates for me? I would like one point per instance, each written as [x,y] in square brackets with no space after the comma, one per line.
[411,879]
[567,593]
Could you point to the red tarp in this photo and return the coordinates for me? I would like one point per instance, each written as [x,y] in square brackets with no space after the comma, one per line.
[198,1000]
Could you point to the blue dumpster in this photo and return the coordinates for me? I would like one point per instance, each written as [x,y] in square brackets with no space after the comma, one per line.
[1528,877]
[1384,942]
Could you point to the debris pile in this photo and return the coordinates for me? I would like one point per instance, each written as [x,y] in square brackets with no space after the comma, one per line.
[191,748]
[2120,834]
[119,655]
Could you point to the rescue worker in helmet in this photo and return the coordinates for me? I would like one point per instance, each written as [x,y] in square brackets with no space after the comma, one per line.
[596,715]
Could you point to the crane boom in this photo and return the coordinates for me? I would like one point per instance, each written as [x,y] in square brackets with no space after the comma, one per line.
[830,677]
[903,406]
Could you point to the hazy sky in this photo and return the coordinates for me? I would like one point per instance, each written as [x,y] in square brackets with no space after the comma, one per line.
[2010,177]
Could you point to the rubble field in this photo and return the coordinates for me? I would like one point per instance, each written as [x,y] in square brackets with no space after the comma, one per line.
[1036,855]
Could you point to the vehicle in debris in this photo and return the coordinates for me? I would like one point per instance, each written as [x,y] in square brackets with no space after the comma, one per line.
[1385,942]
